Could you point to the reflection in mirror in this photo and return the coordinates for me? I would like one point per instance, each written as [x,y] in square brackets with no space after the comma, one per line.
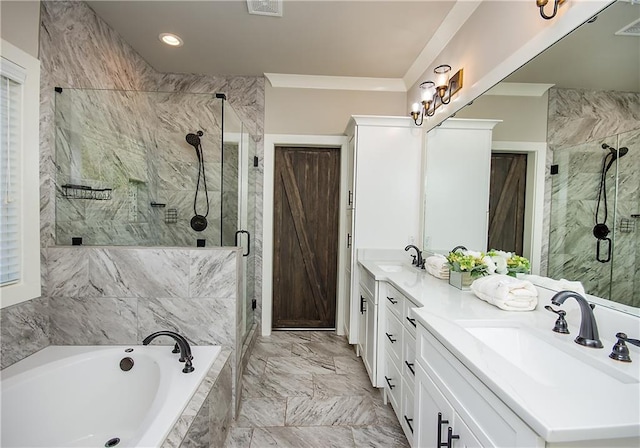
[580,98]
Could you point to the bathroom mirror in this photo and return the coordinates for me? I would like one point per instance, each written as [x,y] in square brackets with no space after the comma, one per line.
[578,95]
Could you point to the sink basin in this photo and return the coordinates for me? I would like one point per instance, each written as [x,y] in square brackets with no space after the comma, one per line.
[390,267]
[547,362]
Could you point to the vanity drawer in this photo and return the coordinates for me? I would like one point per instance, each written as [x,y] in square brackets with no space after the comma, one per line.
[367,280]
[408,319]
[407,420]
[392,337]
[492,422]
[393,386]
[394,301]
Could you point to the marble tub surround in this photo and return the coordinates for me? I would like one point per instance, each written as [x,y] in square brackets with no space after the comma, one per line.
[119,295]
[24,330]
[308,389]
[207,417]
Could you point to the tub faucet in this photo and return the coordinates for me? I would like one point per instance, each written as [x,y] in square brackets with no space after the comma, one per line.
[588,335]
[183,345]
[418,261]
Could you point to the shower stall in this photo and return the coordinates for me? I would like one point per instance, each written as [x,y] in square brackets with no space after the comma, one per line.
[128,175]
[595,217]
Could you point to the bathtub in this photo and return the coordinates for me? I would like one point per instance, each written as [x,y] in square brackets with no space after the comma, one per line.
[75,396]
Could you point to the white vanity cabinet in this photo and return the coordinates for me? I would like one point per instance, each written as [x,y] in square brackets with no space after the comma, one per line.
[384,186]
[399,356]
[448,395]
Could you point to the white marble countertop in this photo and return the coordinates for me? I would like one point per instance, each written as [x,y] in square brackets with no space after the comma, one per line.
[579,393]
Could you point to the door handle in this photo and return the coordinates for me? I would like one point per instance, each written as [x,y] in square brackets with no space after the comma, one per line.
[441,422]
[248,241]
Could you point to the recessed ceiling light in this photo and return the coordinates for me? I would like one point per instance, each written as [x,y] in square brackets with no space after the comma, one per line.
[170,39]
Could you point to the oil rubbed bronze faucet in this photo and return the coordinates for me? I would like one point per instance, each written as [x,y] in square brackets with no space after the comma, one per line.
[418,261]
[183,345]
[588,335]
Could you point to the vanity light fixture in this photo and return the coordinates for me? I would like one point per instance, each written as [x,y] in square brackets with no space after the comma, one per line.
[542,3]
[435,94]
[171,39]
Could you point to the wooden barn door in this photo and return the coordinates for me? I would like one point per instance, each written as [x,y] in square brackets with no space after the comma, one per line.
[305,234]
[506,201]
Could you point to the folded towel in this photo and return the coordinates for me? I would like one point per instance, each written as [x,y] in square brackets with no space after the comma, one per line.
[556,285]
[505,292]
[437,266]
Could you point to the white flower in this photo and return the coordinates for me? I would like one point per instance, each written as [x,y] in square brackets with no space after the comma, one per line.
[501,264]
[473,253]
[491,266]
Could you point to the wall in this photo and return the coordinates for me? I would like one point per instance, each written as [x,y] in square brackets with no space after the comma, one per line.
[325,112]
[576,131]
[20,24]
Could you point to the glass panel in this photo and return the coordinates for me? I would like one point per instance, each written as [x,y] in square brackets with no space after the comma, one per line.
[593,236]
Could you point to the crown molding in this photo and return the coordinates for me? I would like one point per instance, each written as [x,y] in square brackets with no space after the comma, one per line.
[289,81]
[518,89]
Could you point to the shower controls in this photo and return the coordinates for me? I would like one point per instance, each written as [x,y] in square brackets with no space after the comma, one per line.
[199,222]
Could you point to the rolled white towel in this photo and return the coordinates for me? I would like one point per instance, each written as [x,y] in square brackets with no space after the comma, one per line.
[505,292]
[441,274]
[437,266]
[556,285]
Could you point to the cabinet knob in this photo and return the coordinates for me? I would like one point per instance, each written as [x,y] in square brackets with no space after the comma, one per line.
[390,337]
[391,386]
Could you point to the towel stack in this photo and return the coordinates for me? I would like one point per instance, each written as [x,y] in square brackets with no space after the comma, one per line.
[555,285]
[437,266]
[507,293]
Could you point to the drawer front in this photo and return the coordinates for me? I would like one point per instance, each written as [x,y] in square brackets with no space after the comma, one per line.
[392,337]
[393,385]
[408,319]
[409,358]
[492,422]
[407,421]
[394,301]
[367,280]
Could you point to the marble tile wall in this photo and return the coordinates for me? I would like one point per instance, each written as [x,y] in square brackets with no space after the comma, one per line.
[579,122]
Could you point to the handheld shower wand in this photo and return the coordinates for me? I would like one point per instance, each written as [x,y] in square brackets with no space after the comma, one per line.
[199,222]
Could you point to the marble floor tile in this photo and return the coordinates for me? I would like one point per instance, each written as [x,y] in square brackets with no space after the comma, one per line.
[311,349]
[239,437]
[342,385]
[379,437]
[265,350]
[339,411]
[258,412]
[349,365]
[384,412]
[278,386]
[291,337]
[255,366]
[299,437]
[299,366]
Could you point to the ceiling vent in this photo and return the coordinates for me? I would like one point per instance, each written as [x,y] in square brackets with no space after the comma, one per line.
[633,29]
[265,7]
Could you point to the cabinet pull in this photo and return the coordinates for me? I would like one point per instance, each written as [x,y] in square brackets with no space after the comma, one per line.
[390,336]
[411,321]
[450,437]
[350,197]
[348,241]
[440,423]
[410,365]
[391,386]
[409,420]
[390,299]
[362,308]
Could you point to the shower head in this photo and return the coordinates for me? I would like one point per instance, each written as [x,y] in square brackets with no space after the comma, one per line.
[194,139]
[615,154]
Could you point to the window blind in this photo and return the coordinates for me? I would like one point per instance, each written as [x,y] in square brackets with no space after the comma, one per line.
[11,80]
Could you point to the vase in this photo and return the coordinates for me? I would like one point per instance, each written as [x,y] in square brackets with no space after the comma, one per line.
[461,280]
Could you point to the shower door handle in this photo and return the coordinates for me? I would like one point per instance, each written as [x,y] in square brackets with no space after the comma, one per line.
[248,241]
[603,260]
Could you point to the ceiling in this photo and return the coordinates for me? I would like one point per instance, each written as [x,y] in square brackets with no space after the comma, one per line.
[379,39]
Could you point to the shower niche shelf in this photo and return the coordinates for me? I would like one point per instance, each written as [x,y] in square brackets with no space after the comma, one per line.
[74,191]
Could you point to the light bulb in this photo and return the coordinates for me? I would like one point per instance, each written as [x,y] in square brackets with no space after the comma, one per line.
[415,108]
[170,39]
[442,75]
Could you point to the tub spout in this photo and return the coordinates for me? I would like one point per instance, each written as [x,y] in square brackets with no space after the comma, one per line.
[183,345]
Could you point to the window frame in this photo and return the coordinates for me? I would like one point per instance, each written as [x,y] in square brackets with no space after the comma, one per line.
[29,285]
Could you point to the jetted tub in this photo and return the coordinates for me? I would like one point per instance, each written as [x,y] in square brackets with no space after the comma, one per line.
[79,396]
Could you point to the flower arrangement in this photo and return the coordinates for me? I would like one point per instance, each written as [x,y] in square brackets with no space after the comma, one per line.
[479,264]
